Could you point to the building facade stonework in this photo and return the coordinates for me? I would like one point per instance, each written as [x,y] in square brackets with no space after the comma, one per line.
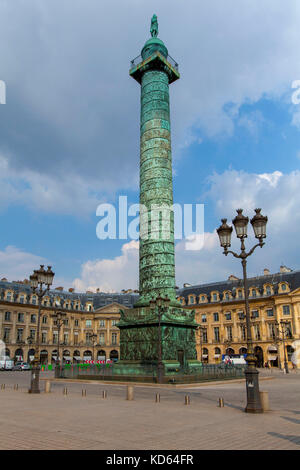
[85,315]
[220,314]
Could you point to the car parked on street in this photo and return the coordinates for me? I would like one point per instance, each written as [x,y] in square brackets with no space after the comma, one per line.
[21,366]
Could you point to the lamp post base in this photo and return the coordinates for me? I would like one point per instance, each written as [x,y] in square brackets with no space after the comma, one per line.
[35,380]
[253,396]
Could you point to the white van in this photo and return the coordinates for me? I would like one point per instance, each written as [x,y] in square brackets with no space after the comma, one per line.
[6,363]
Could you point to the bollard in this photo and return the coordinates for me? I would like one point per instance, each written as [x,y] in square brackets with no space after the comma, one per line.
[187,400]
[130,392]
[83,393]
[47,386]
[221,402]
[157,398]
[16,386]
[104,394]
[264,399]
[65,392]
[2,386]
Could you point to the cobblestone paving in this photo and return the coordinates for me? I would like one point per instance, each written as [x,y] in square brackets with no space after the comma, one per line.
[55,421]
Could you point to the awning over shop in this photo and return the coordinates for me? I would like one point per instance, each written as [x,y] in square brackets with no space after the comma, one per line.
[204,356]
[217,355]
[87,358]
[272,358]
[31,358]
[77,358]
[67,358]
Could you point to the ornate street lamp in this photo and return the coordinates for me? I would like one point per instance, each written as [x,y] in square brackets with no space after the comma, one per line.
[161,305]
[38,279]
[240,223]
[59,318]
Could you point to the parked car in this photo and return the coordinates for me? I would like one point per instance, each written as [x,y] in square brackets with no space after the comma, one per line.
[6,363]
[21,366]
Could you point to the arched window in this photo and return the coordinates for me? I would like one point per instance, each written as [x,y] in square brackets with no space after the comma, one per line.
[114,355]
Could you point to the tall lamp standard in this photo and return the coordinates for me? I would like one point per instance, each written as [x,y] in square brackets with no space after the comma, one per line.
[283,324]
[38,279]
[240,223]
[161,305]
[58,317]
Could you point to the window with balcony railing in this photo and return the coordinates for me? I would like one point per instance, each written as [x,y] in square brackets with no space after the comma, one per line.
[21,317]
[7,316]
[286,310]
[216,316]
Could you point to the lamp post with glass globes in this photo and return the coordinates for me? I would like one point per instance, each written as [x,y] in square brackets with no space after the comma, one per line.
[59,318]
[38,279]
[161,305]
[240,223]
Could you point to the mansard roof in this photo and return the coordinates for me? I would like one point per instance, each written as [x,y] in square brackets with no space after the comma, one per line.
[99,299]
[292,278]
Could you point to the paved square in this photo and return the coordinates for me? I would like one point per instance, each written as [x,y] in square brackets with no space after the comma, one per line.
[55,421]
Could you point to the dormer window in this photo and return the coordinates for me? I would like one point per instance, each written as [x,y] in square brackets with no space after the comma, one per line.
[192,299]
[33,300]
[268,290]
[240,294]
[253,293]
[227,296]
[203,298]
[283,287]
[214,297]
[8,296]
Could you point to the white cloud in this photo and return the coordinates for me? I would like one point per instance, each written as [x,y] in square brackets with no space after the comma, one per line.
[278,195]
[63,195]
[111,275]
[17,264]
[70,125]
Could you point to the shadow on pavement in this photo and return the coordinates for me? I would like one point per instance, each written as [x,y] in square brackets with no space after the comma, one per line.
[294,439]
[292,420]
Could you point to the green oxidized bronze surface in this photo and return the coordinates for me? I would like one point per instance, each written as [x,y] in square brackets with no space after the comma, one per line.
[139,327]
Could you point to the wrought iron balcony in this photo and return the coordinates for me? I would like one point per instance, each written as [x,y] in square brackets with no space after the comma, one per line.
[138,60]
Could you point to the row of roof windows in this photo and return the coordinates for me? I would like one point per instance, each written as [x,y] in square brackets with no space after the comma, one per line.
[215,296]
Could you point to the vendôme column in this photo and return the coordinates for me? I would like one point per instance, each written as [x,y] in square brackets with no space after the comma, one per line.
[148,339]
[157,262]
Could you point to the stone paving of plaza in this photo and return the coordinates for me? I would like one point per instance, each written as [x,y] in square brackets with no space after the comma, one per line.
[55,421]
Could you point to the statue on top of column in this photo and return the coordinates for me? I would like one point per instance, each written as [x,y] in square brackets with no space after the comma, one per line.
[154,26]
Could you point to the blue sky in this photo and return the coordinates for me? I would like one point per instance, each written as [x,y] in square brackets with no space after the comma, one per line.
[69,131]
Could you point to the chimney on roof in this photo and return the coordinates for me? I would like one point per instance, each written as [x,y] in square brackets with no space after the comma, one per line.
[4,279]
[71,289]
[232,278]
[266,272]
[98,290]
[285,269]
[59,288]
[89,292]
[186,284]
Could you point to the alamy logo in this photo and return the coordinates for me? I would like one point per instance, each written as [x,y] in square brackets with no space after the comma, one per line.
[296,94]
[2,92]
[154,222]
